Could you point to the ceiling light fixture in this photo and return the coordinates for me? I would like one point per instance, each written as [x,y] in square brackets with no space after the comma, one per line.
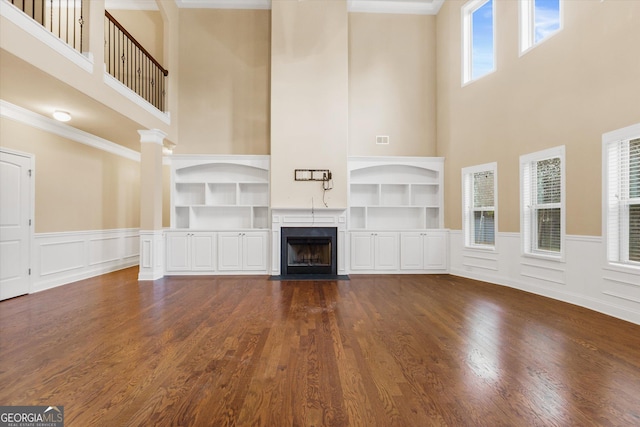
[61,116]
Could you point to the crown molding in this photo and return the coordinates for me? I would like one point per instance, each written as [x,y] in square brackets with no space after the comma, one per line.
[413,7]
[35,120]
[130,5]
[224,4]
[410,7]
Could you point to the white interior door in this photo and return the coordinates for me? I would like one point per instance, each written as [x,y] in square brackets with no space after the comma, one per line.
[15,217]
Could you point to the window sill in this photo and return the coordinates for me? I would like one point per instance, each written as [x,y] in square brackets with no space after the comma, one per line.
[491,249]
[622,268]
[545,256]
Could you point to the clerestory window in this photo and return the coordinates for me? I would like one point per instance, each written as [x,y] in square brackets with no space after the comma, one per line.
[478,38]
[539,20]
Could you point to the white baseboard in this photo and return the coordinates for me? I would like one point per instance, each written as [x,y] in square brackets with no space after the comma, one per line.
[61,258]
[583,278]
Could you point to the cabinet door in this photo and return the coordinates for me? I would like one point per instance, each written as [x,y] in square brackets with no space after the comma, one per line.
[435,247]
[229,251]
[254,246]
[203,251]
[411,251]
[386,251]
[361,251]
[178,252]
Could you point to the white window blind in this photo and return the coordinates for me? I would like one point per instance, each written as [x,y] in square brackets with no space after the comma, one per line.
[542,202]
[623,201]
[479,205]
[548,204]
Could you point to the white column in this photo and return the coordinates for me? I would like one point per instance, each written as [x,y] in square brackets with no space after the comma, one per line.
[151,233]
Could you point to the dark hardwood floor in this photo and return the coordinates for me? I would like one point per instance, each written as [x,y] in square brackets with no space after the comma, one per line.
[373,351]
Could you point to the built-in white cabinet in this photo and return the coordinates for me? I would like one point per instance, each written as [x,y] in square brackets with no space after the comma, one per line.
[242,251]
[190,251]
[227,199]
[374,251]
[395,193]
[396,215]
[220,192]
[423,250]
[220,219]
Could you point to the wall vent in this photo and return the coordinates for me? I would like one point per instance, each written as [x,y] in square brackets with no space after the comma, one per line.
[382,139]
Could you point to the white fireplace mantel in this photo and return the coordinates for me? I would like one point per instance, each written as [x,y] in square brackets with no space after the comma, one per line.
[295,217]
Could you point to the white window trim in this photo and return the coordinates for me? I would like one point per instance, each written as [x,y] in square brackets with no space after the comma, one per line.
[526,230]
[466,172]
[467,31]
[626,133]
[527,25]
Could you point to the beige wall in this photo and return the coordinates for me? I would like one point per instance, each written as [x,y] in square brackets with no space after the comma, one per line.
[309,100]
[224,82]
[146,27]
[77,187]
[392,84]
[567,91]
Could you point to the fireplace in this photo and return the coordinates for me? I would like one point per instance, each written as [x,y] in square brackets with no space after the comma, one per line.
[308,251]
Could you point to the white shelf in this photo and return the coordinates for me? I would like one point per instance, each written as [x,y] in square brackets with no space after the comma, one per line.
[425,195]
[190,194]
[358,218]
[220,192]
[364,194]
[253,194]
[395,193]
[261,217]
[181,216]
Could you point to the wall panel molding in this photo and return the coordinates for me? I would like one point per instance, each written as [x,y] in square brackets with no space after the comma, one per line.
[582,279]
[65,257]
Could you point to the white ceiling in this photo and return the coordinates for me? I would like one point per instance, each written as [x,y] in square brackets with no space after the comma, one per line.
[420,7]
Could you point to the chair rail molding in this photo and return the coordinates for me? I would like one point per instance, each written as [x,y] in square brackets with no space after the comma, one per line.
[64,257]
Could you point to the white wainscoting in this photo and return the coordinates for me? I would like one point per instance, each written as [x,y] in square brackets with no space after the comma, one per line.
[61,258]
[583,278]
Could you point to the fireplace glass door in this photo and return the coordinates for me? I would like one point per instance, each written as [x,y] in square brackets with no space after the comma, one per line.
[308,250]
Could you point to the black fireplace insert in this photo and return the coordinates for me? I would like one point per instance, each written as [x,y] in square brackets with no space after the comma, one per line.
[308,250]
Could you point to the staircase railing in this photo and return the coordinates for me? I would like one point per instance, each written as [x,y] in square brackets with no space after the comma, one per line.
[63,18]
[132,65]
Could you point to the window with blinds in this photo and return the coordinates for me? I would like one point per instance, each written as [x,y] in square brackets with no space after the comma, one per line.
[479,188]
[542,195]
[622,212]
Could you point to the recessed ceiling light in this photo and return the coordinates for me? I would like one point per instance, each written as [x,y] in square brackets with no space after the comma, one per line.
[61,116]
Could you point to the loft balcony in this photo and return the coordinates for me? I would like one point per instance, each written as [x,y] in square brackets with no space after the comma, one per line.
[60,17]
[74,54]
[129,62]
